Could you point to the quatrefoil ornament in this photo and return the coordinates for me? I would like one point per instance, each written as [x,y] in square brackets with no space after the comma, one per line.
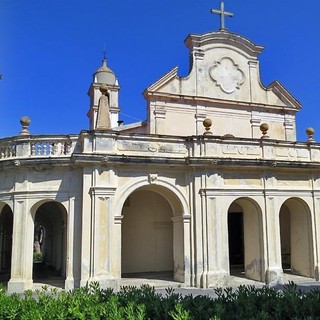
[227,75]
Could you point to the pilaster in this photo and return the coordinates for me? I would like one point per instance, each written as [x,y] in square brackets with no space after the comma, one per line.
[22,247]
[273,273]
[101,237]
[160,116]
[214,269]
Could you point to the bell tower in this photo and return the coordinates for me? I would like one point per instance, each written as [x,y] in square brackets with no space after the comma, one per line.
[104,76]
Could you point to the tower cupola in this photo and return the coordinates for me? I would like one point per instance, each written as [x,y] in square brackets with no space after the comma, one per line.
[104,76]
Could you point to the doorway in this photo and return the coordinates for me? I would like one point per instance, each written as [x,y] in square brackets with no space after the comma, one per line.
[49,246]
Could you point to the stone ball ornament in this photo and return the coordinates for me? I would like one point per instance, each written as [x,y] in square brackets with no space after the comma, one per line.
[264,127]
[104,89]
[207,123]
[25,121]
[310,132]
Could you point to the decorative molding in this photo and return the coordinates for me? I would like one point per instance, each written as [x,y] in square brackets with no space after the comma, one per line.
[241,150]
[198,54]
[160,112]
[102,191]
[153,147]
[152,177]
[118,219]
[227,75]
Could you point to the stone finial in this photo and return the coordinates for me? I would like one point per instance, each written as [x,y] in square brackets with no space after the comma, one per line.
[207,123]
[25,122]
[264,127]
[310,133]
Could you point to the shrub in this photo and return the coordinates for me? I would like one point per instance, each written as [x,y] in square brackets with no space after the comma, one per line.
[37,257]
[92,302]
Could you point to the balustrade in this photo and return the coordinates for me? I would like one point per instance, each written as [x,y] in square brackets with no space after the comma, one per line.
[51,148]
[7,151]
[41,146]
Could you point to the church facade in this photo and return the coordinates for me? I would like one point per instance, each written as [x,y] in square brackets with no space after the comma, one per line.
[214,181]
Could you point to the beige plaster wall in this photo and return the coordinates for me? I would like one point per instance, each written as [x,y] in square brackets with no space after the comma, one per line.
[147,233]
[300,239]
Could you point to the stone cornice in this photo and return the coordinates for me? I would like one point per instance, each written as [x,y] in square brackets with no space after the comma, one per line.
[194,100]
[226,38]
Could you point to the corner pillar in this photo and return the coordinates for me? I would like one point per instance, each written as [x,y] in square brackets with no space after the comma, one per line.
[22,247]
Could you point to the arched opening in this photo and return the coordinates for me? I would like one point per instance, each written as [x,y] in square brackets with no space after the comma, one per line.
[49,246]
[245,239]
[235,237]
[152,235]
[6,227]
[296,238]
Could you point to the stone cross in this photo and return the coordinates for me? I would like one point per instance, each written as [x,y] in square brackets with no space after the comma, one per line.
[222,14]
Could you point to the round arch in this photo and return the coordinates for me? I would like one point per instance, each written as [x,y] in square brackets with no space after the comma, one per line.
[38,204]
[245,238]
[49,242]
[171,192]
[159,210]
[296,237]
[6,230]
[3,204]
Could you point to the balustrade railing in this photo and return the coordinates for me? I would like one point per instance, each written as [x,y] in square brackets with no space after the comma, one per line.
[48,148]
[37,146]
[7,151]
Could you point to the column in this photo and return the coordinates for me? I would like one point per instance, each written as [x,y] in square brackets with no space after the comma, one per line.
[86,218]
[215,270]
[22,247]
[272,242]
[116,247]
[69,282]
[197,229]
[102,223]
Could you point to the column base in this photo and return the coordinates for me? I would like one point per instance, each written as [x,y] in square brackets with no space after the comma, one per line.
[213,279]
[179,276]
[71,284]
[19,285]
[274,276]
[103,282]
[317,273]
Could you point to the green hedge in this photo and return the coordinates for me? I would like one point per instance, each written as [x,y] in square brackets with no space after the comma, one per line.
[91,302]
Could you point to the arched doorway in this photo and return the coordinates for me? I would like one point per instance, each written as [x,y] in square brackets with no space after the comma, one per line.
[6,226]
[49,246]
[296,238]
[152,235]
[245,239]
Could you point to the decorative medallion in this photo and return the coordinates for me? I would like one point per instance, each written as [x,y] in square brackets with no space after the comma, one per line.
[227,75]
[152,177]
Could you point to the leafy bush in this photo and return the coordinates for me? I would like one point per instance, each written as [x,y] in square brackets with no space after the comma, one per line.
[92,302]
[37,257]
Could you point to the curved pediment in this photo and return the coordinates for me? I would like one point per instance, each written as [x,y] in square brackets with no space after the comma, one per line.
[223,83]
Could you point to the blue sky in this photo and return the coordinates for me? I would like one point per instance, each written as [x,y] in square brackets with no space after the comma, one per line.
[50,48]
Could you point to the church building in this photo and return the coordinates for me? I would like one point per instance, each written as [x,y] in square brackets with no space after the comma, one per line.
[212,184]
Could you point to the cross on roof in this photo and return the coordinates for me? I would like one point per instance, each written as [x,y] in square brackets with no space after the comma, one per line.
[222,14]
